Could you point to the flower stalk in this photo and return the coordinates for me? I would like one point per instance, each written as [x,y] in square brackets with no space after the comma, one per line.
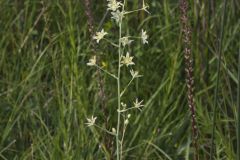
[124,60]
[119,91]
[186,30]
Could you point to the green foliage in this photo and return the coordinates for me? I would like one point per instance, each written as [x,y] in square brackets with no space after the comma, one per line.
[47,91]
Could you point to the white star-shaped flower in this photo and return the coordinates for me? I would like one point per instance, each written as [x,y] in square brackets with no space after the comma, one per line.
[127,60]
[100,35]
[138,104]
[135,74]
[91,121]
[117,16]
[92,61]
[125,41]
[144,37]
[113,5]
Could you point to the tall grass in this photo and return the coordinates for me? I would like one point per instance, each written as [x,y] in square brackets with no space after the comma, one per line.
[216,98]
[238,110]
[47,91]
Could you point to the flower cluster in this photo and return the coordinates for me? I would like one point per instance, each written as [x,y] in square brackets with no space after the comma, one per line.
[118,13]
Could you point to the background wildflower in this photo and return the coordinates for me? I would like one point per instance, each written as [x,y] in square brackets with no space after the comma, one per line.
[138,104]
[144,37]
[92,61]
[117,16]
[125,41]
[100,35]
[91,121]
[113,5]
[134,74]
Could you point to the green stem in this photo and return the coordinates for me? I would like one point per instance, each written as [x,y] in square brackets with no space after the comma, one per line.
[119,88]
[124,129]
[124,110]
[126,87]
[110,74]
[113,44]
[105,130]
[136,10]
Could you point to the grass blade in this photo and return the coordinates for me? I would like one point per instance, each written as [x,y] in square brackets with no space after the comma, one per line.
[217,81]
[238,110]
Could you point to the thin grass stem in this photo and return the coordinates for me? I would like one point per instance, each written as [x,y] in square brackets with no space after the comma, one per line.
[110,74]
[238,110]
[217,82]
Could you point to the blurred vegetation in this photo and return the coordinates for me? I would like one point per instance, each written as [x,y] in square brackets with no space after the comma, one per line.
[47,91]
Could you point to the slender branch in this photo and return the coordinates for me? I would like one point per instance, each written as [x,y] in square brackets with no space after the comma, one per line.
[105,130]
[110,74]
[124,110]
[136,10]
[124,90]
[113,44]
[124,130]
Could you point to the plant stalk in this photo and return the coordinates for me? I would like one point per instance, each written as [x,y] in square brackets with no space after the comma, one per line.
[186,29]
[119,91]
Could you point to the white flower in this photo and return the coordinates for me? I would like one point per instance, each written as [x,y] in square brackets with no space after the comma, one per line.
[91,121]
[126,122]
[99,35]
[92,61]
[135,74]
[113,5]
[114,130]
[128,116]
[144,36]
[117,16]
[123,104]
[127,60]
[125,41]
[137,104]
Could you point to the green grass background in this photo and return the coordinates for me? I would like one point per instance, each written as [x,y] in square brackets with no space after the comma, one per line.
[47,91]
